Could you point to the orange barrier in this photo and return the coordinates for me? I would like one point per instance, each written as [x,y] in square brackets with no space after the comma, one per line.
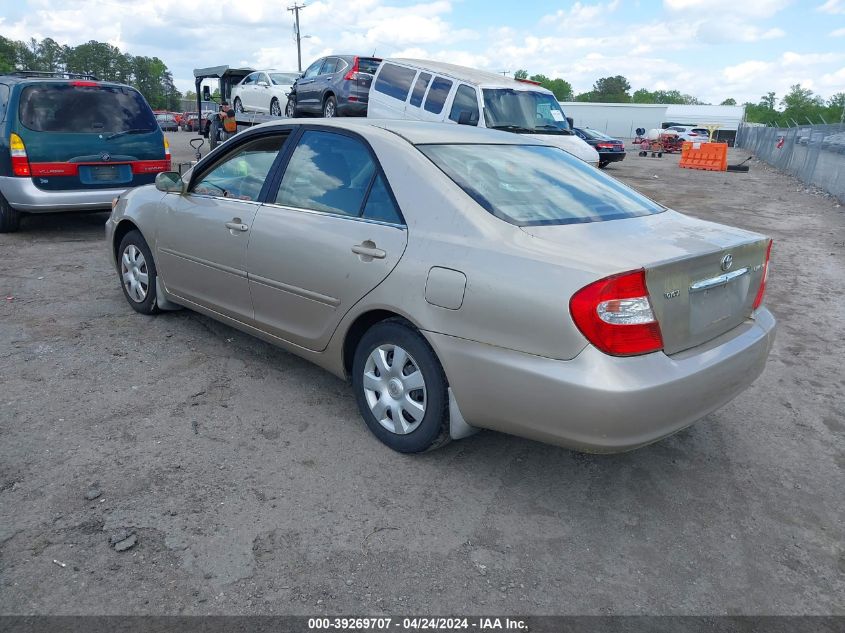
[708,156]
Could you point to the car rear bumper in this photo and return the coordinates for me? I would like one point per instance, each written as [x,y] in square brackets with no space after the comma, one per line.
[601,403]
[611,157]
[23,195]
[352,108]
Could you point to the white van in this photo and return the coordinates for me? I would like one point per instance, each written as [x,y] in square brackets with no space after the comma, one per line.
[434,91]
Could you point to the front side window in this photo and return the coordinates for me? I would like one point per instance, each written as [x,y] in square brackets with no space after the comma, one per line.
[524,111]
[249,80]
[313,69]
[437,95]
[530,185]
[419,89]
[329,66]
[332,173]
[73,107]
[241,174]
[395,81]
[465,101]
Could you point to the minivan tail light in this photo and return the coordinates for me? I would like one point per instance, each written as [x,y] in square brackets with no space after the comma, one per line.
[87,84]
[615,315]
[758,300]
[167,153]
[20,162]
[352,75]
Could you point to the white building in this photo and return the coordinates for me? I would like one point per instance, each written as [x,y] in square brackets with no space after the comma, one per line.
[621,119]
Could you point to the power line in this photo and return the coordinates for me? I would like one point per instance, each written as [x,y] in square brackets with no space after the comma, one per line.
[295,10]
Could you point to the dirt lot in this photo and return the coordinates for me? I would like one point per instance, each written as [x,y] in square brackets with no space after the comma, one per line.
[252,486]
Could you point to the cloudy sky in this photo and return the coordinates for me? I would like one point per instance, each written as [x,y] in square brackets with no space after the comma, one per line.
[709,48]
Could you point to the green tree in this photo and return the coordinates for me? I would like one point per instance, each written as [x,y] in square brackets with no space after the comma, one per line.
[520,74]
[8,55]
[612,89]
[801,105]
[836,108]
[768,101]
[730,101]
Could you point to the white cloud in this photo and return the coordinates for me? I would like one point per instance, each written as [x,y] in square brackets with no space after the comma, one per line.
[832,6]
[729,8]
[838,33]
[581,15]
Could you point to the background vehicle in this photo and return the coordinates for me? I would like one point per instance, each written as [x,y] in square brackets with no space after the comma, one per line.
[167,122]
[263,91]
[72,143]
[691,133]
[335,240]
[610,149]
[190,121]
[433,91]
[337,85]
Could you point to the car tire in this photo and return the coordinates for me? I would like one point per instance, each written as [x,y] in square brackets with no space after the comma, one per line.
[213,133]
[603,164]
[290,108]
[330,108]
[239,107]
[275,108]
[137,273]
[422,411]
[10,219]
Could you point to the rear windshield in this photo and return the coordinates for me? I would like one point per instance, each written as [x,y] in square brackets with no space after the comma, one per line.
[530,185]
[69,108]
[368,65]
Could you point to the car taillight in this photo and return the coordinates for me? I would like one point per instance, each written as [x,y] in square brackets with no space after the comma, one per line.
[86,84]
[167,153]
[20,162]
[758,300]
[615,315]
[352,75]
[605,145]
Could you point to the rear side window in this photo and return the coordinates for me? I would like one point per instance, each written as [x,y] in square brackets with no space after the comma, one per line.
[437,95]
[465,101]
[80,108]
[4,101]
[419,89]
[329,66]
[395,81]
[380,204]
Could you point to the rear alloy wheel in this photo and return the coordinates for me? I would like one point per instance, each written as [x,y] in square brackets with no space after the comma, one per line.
[330,108]
[290,108]
[137,273]
[239,107]
[10,219]
[400,388]
[275,108]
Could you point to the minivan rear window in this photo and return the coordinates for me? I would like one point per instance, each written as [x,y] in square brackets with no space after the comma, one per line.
[530,185]
[437,95]
[46,107]
[395,81]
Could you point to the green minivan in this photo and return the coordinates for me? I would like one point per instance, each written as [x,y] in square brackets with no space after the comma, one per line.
[72,143]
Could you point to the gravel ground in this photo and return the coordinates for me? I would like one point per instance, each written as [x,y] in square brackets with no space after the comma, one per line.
[239,479]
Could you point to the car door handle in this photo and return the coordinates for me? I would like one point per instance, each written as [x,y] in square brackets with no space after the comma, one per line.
[236,225]
[368,249]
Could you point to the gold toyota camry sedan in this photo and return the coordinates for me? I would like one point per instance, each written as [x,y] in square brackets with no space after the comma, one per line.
[460,278]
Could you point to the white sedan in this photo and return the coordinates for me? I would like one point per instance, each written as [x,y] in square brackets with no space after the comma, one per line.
[263,91]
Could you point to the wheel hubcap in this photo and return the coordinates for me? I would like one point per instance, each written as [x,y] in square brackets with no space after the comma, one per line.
[133,269]
[395,389]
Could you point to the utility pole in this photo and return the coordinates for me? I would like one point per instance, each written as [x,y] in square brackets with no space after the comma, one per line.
[295,10]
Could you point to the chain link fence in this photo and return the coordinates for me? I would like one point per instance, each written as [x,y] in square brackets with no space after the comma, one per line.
[815,154]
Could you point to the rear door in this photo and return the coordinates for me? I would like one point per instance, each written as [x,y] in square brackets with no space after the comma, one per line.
[203,235]
[330,234]
[88,135]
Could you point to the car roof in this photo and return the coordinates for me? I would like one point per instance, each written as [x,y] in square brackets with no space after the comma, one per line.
[10,78]
[483,78]
[420,132]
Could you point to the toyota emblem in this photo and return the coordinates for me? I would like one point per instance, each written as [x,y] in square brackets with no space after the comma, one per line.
[727,262]
[106,157]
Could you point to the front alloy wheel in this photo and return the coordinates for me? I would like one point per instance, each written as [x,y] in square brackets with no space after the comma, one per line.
[290,109]
[275,108]
[239,107]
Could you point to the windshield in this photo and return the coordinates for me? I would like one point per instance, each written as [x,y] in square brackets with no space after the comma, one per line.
[531,185]
[82,108]
[525,111]
[284,79]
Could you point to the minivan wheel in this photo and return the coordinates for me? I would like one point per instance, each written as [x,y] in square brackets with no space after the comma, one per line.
[10,219]
[239,107]
[330,108]
[400,388]
[137,273]
[290,108]
[275,108]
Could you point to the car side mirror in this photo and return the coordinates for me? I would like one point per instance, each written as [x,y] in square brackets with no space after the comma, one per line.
[571,121]
[206,93]
[170,182]
[263,83]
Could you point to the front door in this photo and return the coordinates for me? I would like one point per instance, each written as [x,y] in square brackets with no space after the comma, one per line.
[307,94]
[203,235]
[329,235]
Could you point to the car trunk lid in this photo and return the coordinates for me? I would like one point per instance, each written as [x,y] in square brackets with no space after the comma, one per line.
[702,277]
[367,67]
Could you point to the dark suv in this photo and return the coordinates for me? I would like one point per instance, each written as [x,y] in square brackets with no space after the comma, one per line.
[72,143]
[336,85]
